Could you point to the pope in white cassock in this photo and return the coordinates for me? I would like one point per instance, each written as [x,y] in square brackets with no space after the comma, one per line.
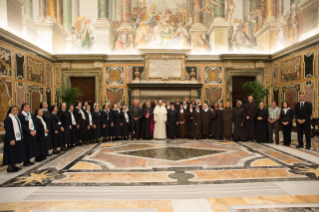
[160,118]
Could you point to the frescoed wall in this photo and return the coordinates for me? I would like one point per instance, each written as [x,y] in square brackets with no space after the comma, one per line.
[204,26]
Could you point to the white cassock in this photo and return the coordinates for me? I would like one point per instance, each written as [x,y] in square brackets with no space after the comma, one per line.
[160,116]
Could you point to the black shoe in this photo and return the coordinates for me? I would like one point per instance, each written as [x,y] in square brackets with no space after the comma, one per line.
[309,148]
[48,155]
[27,164]
[38,160]
[12,170]
[299,147]
[55,153]
[17,168]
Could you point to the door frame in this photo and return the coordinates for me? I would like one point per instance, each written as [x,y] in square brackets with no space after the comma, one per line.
[259,74]
[97,74]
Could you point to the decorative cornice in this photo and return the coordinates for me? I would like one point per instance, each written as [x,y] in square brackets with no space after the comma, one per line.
[24,45]
[247,57]
[79,57]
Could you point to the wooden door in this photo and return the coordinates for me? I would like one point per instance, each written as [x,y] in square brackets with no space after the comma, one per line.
[87,86]
[240,93]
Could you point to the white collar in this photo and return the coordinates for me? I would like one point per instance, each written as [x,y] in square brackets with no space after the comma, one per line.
[40,117]
[25,113]
[205,109]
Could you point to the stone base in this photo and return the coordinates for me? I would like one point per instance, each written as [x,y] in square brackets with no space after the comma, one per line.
[196,30]
[51,36]
[103,37]
[29,29]
[219,35]
[267,37]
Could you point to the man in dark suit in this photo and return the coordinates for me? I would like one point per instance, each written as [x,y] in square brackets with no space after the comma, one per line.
[135,114]
[303,112]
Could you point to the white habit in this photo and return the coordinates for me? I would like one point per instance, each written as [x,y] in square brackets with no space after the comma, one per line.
[160,116]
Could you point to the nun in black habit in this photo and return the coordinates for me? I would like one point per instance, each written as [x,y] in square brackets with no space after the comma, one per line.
[74,128]
[42,135]
[172,122]
[97,123]
[189,120]
[115,123]
[13,146]
[89,125]
[124,123]
[56,129]
[64,116]
[29,133]
[80,120]
[219,122]
[47,118]
[106,123]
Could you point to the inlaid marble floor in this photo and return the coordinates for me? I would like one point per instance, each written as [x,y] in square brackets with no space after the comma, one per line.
[169,175]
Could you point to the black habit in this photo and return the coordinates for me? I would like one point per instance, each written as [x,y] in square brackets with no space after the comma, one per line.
[239,118]
[286,129]
[74,131]
[56,126]
[189,120]
[89,126]
[115,119]
[125,124]
[47,116]
[105,123]
[41,138]
[172,119]
[12,154]
[219,130]
[262,126]
[81,132]
[97,121]
[206,117]
[251,111]
[196,127]
[65,120]
[31,145]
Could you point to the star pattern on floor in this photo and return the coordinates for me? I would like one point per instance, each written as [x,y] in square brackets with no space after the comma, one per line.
[310,170]
[34,177]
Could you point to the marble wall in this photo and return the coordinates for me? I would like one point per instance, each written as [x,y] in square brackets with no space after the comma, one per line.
[24,77]
[298,74]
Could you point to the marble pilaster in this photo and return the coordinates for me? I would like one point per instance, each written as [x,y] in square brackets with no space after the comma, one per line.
[59,11]
[42,9]
[52,9]
[67,15]
[29,29]
[269,14]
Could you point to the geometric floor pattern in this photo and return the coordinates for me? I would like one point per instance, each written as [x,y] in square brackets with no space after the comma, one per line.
[168,175]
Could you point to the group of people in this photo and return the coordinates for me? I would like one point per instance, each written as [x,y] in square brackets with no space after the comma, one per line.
[29,136]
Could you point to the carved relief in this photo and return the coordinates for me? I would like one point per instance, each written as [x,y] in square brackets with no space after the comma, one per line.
[5,99]
[290,93]
[114,75]
[5,62]
[291,70]
[20,66]
[309,64]
[35,70]
[20,94]
[213,75]
[35,96]
[48,75]
[213,95]
[115,95]
[275,73]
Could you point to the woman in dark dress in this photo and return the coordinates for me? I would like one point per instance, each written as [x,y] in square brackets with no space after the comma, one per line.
[29,133]
[261,124]
[47,118]
[124,123]
[97,123]
[42,134]
[13,146]
[106,123]
[115,123]
[74,130]
[64,116]
[286,117]
[172,122]
[182,123]
[147,126]
[189,119]
[89,125]
[80,119]
[56,129]
[196,127]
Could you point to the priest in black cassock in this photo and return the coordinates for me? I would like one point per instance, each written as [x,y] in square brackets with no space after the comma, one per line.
[206,116]
[261,125]
[239,122]
[250,112]
[64,117]
[172,122]
[147,121]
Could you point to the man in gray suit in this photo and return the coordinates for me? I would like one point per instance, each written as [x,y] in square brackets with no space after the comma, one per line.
[136,115]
